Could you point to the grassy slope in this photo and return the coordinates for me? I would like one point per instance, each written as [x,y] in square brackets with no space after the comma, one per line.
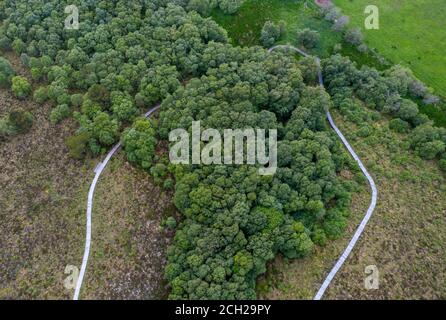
[128,241]
[42,205]
[411,33]
[43,194]
[404,238]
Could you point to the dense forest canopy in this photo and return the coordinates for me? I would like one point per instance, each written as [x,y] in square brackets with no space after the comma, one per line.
[235,219]
[127,56]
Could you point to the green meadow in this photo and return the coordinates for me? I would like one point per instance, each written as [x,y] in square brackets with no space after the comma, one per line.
[412,33]
[245,26]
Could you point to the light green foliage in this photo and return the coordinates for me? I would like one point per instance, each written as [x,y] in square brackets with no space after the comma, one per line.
[230,6]
[20,87]
[18,122]
[40,95]
[59,113]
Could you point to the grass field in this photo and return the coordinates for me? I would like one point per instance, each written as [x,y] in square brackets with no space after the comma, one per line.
[412,33]
[128,242]
[404,238]
[245,26]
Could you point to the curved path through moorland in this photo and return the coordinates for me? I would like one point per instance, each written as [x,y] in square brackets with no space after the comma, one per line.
[372,184]
[98,171]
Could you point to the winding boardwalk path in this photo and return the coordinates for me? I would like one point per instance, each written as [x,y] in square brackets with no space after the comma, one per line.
[372,184]
[98,171]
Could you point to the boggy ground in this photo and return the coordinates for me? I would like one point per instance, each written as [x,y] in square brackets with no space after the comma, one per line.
[43,194]
[404,238]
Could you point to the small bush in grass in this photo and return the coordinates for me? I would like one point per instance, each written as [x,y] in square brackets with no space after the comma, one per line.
[364,131]
[59,113]
[19,46]
[319,237]
[78,145]
[168,184]
[5,43]
[354,36]
[271,33]
[399,125]
[40,95]
[308,38]
[158,172]
[170,223]
[6,73]
[21,87]
[20,121]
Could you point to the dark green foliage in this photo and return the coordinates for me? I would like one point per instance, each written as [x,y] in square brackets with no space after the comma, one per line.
[308,38]
[158,172]
[20,121]
[6,73]
[143,50]
[100,94]
[123,106]
[354,36]
[170,223]
[139,143]
[134,54]
[399,125]
[309,69]
[76,100]
[78,145]
[428,142]
[204,7]
[271,33]
[235,219]
[230,6]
